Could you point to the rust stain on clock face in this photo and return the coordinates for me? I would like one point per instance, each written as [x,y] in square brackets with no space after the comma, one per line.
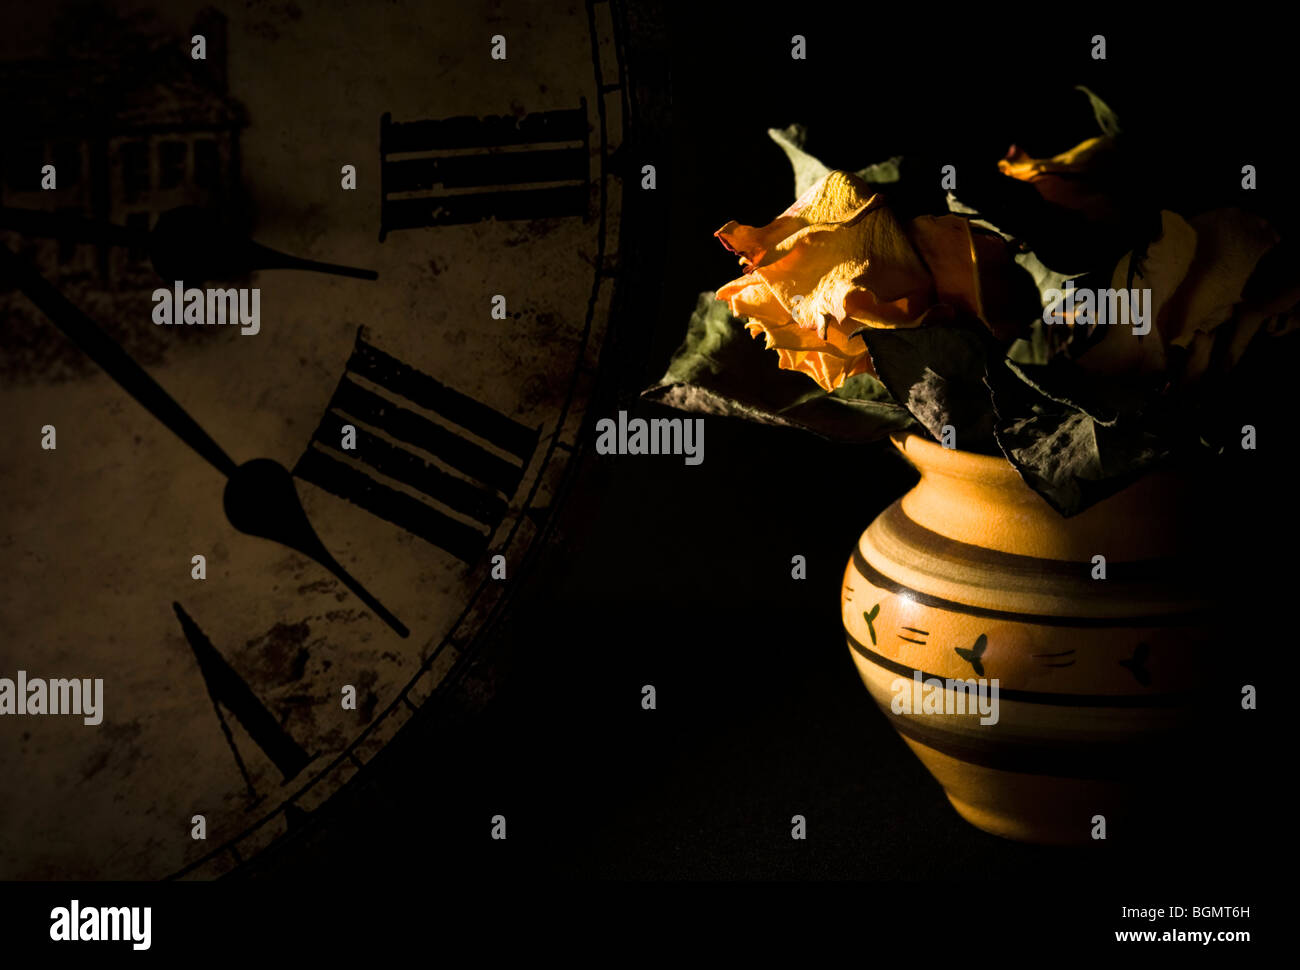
[98,534]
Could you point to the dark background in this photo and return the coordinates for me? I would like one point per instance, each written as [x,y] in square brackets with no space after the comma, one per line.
[679,576]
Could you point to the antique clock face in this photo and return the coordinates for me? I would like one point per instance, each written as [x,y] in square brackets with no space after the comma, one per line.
[422,418]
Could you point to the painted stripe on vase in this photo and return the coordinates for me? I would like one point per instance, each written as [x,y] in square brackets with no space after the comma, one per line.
[1059,699]
[1018,723]
[917,537]
[920,559]
[1171,619]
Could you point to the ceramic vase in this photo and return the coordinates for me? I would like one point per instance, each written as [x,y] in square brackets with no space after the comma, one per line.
[1048,671]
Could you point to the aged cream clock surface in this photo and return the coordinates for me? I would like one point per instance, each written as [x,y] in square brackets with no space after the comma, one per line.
[486,210]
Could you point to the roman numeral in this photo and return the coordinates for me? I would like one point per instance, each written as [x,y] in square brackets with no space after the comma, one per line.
[227,688]
[388,403]
[466,169]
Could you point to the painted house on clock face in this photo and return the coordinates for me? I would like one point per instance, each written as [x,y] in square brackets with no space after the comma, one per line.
[134,126]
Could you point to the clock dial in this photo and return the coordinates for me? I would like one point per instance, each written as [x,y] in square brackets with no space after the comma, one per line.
[425,349]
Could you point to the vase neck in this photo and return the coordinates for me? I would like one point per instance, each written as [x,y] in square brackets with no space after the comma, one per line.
[982,500]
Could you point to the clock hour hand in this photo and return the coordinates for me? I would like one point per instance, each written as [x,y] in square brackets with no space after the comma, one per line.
[190,243]
[65,225]
[259,499]
[186,243]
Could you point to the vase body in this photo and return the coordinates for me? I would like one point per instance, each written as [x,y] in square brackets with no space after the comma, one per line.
[1043,687]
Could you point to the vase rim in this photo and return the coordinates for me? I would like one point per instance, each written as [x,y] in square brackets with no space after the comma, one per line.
[931,455]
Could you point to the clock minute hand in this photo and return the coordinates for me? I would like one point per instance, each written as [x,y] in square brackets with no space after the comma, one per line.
[259,498]
[264,257]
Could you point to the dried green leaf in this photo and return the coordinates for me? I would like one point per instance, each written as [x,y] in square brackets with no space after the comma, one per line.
[937,373]
[720,370]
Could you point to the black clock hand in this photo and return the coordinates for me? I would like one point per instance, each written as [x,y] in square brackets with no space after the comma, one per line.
[115,361]
[187,243]
[259,498]
[66,225]
[190,243]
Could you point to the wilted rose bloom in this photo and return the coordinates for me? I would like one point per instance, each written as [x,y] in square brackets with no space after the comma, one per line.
[1198,271]
[838,260]
[1081,179]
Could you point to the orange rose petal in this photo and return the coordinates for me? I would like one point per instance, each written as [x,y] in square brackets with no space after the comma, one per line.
[944,242]
[862,366]
[975,272]
[749,297]
[829,362]
[835,198]
[752,242]
[1070,178]
[1083,157]
[865,269]
[834,260]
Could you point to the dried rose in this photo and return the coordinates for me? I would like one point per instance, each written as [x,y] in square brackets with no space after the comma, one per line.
[838,259]
[1198,271]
